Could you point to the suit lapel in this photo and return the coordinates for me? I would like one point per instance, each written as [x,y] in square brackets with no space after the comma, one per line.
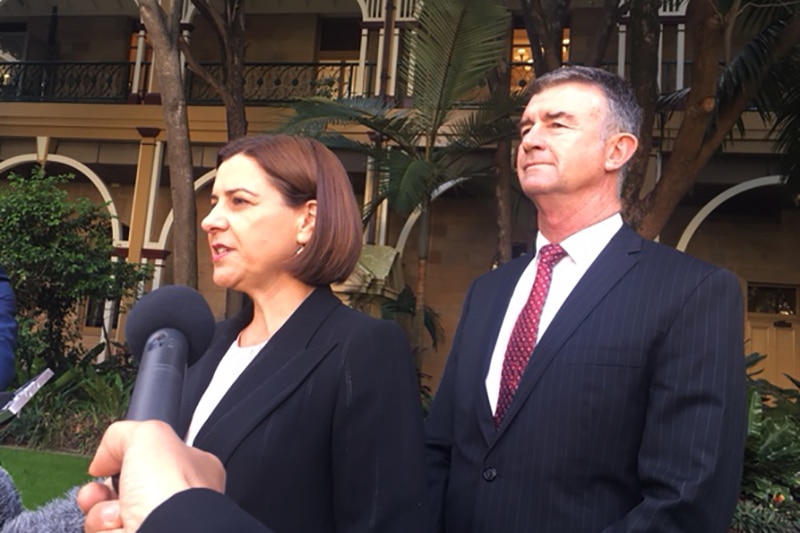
[278,369]
[619,256]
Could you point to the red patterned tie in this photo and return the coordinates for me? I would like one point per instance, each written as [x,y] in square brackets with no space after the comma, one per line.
[523,336]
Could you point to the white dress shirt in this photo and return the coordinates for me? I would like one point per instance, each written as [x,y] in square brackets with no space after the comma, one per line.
[582,248]
[233,363]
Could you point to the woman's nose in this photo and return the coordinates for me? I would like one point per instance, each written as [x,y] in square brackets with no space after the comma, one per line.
[213,220]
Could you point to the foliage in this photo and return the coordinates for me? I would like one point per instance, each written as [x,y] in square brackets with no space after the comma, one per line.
[71,413]
[405,306]
[770,490]
[58,253]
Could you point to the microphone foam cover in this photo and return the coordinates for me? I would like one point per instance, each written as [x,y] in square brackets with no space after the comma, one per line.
[171,306]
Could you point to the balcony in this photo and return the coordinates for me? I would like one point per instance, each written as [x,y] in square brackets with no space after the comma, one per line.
[264,83]
[111,82]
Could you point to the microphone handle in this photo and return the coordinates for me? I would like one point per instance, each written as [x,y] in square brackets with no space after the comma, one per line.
[159,381]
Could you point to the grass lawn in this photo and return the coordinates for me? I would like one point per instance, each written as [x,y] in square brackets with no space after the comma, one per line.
[42,476]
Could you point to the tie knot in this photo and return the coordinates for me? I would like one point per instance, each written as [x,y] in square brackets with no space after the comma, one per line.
[550,254]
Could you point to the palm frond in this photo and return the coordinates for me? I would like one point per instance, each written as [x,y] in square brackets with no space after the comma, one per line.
[491,122]
[786,108]
[757,14]
[317,116]
[457,43]
[751,64]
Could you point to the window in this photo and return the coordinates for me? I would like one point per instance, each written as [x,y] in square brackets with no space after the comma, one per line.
[772,299]
[94,313]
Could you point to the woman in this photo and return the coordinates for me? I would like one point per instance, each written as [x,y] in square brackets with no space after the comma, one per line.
[311,406]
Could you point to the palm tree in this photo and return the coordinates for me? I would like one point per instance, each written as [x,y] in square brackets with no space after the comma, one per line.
[456,45]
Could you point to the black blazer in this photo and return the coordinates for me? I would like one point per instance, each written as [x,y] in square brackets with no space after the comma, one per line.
[200,511]
[630,416]
[323,431]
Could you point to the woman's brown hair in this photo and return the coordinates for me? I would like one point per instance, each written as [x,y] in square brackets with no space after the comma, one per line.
[303,169]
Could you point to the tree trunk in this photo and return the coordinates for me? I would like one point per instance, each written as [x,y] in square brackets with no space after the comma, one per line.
[164,31]
[694,145]
[229,28]
[548,18]
[423,249]
[645,29]
[234,79]
[603,31]
[502,190]
[539,65]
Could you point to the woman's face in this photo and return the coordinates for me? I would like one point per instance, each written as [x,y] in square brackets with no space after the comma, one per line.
[252,232]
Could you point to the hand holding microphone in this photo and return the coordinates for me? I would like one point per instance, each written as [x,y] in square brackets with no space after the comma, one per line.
[155,465]
[168,329]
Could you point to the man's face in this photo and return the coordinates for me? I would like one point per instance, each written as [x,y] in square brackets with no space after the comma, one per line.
[564,143]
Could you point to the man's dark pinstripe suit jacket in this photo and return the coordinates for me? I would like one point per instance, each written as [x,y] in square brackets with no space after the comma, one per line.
[629,417]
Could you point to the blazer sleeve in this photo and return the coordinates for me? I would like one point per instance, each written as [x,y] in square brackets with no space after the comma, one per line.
[8,330]
[692,450]
[201,511]
[439,427]
[377,446]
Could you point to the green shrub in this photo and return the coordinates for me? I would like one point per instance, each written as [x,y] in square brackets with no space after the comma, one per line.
[58,252]
[72,412]
[770,480]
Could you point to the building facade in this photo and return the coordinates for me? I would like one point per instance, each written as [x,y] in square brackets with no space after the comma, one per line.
[78,95]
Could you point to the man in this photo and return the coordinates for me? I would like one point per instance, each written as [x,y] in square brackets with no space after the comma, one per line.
[165,485]
[629,414]
[8,330]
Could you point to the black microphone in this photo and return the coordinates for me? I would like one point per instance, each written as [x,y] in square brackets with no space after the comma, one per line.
[167,330]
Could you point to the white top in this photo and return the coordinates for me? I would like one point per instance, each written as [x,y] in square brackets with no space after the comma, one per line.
[228,371]
[582,248]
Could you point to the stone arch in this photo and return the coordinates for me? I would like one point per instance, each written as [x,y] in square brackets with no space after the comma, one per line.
[116,224]
[414,216]
[166,228]
[199,183]
[715,202]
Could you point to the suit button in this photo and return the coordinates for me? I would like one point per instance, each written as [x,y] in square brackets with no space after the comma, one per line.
[489,473]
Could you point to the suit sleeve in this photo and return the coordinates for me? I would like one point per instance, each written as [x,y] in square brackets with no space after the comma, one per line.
[691,454]
[201,511]
[8,331]
[377,446]
[439,428]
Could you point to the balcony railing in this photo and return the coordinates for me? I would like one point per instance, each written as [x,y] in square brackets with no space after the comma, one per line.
[266,83]
[55,81]
[110,82]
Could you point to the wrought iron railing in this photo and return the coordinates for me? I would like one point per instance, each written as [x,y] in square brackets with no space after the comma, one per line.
[282,82]
[110,82]
[265,83]
[55,81]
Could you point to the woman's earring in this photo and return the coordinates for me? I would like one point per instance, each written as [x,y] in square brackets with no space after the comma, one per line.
[302,247]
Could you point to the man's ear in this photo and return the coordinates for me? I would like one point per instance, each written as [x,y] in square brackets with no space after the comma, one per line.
[620,149]
[306,221]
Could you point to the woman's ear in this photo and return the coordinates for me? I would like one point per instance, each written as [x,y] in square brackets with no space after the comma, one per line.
[306,222]
[621,148]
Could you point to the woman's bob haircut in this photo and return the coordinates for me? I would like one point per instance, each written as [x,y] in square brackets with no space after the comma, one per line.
[303,169]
